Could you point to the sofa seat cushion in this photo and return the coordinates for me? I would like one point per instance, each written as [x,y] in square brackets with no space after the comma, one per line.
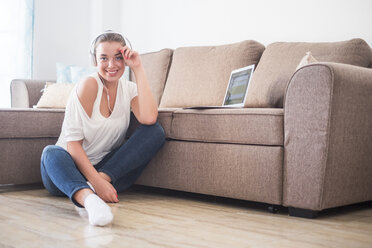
[31,123]
[280,59]
[238,126]
[200,75]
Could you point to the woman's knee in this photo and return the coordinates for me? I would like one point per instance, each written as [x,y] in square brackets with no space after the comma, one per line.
[157,131]
[51,149]
[52,153]
[153,134]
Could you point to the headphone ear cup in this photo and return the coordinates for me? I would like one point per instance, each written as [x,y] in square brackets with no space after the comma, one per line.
[92,56]
[91,53]
[93,59]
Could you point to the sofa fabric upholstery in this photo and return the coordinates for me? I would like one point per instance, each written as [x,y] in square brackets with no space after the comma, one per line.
[156,66]
[231,170]
[20,159]
[328,136]
[235,126]
[280,59]
[31,123]
[199,75]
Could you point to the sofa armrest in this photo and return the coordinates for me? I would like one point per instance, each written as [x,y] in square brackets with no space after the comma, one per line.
[328,137]
[25,92]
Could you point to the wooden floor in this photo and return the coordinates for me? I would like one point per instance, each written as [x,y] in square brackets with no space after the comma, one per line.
[147,217]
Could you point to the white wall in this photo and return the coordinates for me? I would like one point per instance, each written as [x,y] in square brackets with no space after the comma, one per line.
[152,25]
[64,29]
[61,34]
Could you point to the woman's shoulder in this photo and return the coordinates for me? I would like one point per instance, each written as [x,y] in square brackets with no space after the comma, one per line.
[87,93]
[87,87]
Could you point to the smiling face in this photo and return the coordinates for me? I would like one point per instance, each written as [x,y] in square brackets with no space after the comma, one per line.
[110,62]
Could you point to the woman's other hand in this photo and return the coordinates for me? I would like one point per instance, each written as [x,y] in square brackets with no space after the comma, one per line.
[105,190]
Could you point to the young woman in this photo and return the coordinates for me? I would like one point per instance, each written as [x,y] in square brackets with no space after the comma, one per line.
[91,162]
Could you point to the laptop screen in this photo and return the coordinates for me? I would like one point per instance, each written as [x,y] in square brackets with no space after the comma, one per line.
[238,86]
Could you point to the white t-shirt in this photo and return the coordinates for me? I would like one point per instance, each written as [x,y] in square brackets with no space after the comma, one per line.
[100,135]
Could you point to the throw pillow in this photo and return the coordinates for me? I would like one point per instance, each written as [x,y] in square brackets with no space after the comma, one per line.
[55,95]
[307,59]
[199,75]
[156,66]
[279,62]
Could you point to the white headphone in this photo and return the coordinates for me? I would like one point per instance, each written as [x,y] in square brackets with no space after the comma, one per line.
[91,51]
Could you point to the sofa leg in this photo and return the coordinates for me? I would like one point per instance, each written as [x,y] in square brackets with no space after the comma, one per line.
[303,213]
[273,209]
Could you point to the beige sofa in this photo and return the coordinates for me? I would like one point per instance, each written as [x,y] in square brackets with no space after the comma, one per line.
[303,140]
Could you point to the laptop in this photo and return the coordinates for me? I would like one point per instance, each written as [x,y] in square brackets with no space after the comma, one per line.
[236,91]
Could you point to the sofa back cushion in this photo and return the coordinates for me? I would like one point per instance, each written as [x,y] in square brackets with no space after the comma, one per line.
[280,59]
[199,75]
[156,66]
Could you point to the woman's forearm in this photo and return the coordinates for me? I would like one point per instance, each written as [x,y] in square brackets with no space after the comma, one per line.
[148,107]
[81,160]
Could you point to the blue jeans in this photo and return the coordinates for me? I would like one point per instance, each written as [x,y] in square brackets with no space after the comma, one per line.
[123,165]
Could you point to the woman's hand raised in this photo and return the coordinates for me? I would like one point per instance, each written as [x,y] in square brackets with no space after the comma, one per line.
[131,58]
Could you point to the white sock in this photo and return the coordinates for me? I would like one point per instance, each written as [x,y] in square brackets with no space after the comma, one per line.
[99,213]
